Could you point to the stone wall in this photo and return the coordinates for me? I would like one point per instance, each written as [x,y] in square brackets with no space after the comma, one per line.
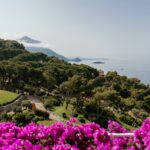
[15,102]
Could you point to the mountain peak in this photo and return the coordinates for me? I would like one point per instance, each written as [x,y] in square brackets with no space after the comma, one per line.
[35,46]
[29,40]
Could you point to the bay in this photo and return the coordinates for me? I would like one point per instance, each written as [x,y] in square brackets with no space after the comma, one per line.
[131,68]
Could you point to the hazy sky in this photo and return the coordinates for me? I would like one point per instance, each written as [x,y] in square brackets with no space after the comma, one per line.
[89,28]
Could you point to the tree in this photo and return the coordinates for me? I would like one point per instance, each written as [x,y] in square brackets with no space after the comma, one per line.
[50,102]
[74,87]
[146,103]
[105,98]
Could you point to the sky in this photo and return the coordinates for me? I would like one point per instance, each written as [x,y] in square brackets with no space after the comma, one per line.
[86,28]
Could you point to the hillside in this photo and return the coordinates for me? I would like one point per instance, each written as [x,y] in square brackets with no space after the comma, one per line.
[10,49]
[31,57]
[92,96]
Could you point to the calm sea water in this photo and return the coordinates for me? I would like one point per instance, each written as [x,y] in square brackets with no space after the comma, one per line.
[130,68]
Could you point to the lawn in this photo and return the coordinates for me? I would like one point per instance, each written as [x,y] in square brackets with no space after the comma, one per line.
[59,110]
[6,96]
[46,122]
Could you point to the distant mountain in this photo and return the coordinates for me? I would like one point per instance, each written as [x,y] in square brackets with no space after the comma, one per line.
[46,51]
[27,39]
[33,45]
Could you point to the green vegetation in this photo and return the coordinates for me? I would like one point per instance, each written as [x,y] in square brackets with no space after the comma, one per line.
[21,114]
[59,110]
[10,49]
[50,102]
[127,126]
[73,90]
[31,57]
[6,96]
[27,104]
[47,122]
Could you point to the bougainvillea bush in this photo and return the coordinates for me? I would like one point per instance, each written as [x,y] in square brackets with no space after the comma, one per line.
[69,136]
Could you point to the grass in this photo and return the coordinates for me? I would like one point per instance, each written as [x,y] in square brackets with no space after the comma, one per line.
[59,110]
[127,126]
[46,122]
[62,109]
[6,96]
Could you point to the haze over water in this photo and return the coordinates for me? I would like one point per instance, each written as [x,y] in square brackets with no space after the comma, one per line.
[131,68]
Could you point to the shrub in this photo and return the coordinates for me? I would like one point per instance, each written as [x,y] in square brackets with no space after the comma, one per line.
[31,90]
[45,115]
[50,102]
[74,114]
[81,119]
[19,119]
[64,115]
[129,120]
[17,109]
[27,104]
[37,118]
[4,116]
[29,117]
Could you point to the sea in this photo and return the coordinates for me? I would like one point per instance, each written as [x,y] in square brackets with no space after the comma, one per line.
[131,68]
